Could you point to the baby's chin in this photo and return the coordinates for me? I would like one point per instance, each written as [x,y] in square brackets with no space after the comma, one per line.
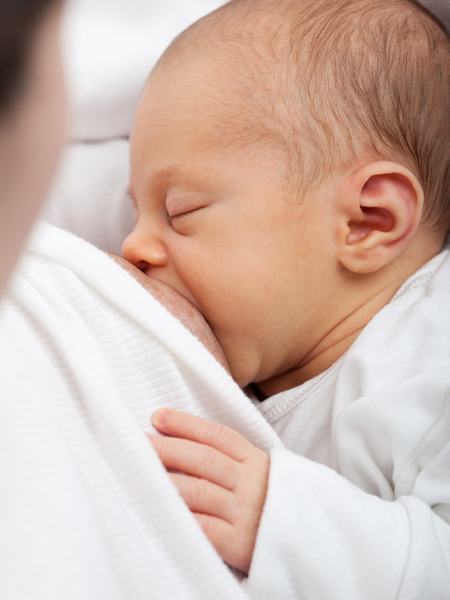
[180,307]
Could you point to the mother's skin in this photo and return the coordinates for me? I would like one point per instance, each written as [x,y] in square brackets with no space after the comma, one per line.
[181,308]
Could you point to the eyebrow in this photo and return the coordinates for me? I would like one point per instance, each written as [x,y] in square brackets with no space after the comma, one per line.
[166,175]
[173,173]
[179,173]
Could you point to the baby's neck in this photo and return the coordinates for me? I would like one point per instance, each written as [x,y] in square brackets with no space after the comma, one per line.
[332,346]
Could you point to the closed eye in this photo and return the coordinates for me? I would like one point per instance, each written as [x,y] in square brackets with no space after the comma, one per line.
[185,213]
[181,205]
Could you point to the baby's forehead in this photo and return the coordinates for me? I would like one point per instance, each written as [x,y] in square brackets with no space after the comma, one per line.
[239,71]
[203,96]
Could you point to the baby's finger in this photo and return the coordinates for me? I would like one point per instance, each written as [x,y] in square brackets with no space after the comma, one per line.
[222,535]
[205,497]
[224,439]
[218,531]
[196,459]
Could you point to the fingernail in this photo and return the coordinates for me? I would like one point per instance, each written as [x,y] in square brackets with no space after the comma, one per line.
[160,416]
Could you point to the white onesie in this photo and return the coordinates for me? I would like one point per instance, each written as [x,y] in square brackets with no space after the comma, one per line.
[358,508]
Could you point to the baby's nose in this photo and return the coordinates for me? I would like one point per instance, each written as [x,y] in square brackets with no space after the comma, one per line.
[144,251]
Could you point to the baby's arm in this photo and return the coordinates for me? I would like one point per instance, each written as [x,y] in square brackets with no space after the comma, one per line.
[220,475]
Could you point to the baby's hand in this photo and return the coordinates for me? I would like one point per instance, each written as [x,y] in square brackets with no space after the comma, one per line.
[220,475]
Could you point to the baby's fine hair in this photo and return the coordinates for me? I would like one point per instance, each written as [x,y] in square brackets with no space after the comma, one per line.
[337,82]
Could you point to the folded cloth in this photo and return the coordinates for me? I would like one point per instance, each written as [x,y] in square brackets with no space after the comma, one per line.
[86,508]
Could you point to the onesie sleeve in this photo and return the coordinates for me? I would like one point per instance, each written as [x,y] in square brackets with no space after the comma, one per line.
[321,537]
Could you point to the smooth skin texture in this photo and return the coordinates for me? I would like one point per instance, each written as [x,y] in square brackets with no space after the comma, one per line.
[180,308]
[221,477]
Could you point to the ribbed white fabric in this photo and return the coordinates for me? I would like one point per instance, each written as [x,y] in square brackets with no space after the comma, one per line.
[86,508]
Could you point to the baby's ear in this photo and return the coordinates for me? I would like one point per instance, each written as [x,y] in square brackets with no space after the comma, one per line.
[380,208]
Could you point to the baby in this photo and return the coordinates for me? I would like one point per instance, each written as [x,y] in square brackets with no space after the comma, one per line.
[291,173]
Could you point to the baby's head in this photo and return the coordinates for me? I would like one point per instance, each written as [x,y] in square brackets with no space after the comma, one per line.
[290,165]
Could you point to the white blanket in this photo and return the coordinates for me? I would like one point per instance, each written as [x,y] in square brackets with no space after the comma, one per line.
[86,508]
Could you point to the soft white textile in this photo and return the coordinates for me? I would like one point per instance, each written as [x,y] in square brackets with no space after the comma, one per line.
[86,508]
[370,517]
